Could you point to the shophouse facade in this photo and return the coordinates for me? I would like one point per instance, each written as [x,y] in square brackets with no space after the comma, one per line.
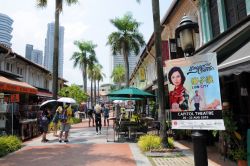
[224,28]
[23,86]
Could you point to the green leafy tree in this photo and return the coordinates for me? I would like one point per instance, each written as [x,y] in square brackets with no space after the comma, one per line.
[126,40]
[84,57]
[118,75]
[74,92]
[58,10]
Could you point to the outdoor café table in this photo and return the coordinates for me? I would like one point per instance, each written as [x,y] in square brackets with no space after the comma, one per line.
[129,124]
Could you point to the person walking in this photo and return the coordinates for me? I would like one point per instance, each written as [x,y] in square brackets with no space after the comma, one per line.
[98,118]
[106,115]
[90,116]
[55,121]
[65,113]
[44,124]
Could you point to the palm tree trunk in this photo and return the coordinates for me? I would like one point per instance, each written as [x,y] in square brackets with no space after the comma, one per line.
[125,56]
[95,91]
[85,77]
[91,92]
[56,51]
[98,91]
[160,76]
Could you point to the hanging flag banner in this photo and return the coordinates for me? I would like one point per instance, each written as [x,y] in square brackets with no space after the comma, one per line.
[194,93]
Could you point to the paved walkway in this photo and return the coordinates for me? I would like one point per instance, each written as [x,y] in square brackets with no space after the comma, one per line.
[87,148]
[84,148]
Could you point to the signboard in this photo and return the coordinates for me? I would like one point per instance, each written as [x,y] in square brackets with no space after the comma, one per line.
[194,93]
[14,98]
[15,88]
[142,74]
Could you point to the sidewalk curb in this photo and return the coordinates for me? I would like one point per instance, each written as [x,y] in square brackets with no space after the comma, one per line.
[140,159]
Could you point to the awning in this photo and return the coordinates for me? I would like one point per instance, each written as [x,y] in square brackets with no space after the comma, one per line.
[237,63]
[44,94]
[7,84]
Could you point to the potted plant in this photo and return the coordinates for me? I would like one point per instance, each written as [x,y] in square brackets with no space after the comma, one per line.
[239,155]
[239,152]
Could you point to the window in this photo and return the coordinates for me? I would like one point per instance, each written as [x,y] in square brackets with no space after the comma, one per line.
[18,70]
[46,84]
[235,11]
[21,71]
[8,66]
[213,7]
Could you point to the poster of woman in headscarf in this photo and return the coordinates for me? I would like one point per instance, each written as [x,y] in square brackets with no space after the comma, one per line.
[194,89]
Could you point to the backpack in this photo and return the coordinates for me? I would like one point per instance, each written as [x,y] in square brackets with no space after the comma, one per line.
[44,120]
[63,116]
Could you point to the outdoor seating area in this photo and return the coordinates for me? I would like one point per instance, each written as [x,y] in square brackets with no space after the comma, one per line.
[129,130]
[130,119]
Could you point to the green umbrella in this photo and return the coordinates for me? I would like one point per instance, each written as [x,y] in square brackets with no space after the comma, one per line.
[130,92]
[124,98]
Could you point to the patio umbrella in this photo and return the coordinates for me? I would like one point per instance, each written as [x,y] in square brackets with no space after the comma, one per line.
[67,100]
[48,104]
[130,92]
[124,98]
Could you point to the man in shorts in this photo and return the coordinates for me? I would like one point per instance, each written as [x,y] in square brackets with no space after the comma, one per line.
[65,112]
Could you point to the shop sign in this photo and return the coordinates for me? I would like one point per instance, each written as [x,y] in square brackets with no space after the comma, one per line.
[15,88]
[14,98]
[142,75]
[194,93]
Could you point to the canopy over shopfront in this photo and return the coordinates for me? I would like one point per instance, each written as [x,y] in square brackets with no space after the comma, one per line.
[237,63]
[7,84]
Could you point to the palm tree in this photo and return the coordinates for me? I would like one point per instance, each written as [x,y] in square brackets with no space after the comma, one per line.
[58,10]
[160,76]
[83,58]
[91,63]
[99,77]
[126,40]
[118,75]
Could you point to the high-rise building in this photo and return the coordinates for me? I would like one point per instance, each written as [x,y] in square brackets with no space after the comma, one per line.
[5,30]
[132,60]
[37,56]
[28,51]
[49,48]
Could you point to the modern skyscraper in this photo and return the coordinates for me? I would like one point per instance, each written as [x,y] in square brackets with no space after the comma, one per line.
[49,48]
[132,60]
[28,51]
[37,56]
[5,29]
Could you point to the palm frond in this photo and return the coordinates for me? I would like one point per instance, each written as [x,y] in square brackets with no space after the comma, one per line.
[42,3]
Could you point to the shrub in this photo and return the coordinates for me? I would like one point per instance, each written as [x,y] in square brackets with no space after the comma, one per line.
[170,142]
[74,120]
[9,144]
[149,142]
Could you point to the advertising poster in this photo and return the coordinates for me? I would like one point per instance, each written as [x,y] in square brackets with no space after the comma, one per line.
[194,93]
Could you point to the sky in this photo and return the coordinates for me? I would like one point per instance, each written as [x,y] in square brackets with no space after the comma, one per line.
[87,20]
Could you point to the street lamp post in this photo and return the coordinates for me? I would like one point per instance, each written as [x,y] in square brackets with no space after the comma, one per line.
[186,35]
